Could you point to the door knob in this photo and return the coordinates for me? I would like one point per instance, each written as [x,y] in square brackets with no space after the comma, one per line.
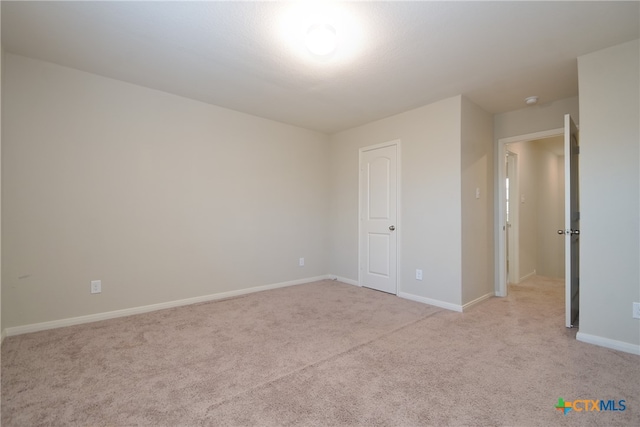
[569,232]
[392,227]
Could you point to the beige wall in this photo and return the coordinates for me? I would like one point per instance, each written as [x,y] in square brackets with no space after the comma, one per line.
[477,212]
[430,232]
[550,249]
[541,183]
[541,117]
[446,152]
[609,189]
[161,197]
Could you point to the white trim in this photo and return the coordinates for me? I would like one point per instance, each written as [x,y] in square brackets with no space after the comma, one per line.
[36,327]
[435,302]
[609,343]
[397,143]
[3,335]
[345,280]
[499,250]
[477,301]
[381,145]
[514,230]
[527,276]
[532,136]
[399,228]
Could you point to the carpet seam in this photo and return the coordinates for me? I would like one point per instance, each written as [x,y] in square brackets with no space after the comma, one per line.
[321,361]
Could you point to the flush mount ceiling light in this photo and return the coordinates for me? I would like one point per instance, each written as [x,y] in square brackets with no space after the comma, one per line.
[321,39]
[320,31]
[532,100]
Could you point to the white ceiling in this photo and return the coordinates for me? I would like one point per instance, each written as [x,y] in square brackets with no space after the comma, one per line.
[412,53]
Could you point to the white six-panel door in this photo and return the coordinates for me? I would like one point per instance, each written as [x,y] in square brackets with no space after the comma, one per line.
[378,217]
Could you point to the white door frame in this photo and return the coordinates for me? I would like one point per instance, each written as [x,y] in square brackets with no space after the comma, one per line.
[500,234]
[398,231]
[514,231]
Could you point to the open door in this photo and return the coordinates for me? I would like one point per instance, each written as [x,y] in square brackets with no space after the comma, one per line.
[571,222]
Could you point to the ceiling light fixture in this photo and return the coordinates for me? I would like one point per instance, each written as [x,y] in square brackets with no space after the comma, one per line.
[532,100]
[321,40]
[321,32]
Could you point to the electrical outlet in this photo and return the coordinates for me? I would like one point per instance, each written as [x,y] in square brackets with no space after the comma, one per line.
[96,286]
[418,274]
[301,262]
[636,310]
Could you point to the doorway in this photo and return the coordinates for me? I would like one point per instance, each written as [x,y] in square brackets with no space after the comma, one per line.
[379,217]
[567,229]
[534,209]
[521,271]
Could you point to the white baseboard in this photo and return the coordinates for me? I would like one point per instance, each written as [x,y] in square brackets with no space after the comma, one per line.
[609,343]
[437,303]
[345,280]
[477,300]
[36,327]
[3,335]
[527,276]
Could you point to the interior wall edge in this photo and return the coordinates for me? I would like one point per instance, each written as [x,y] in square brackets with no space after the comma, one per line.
[478,300]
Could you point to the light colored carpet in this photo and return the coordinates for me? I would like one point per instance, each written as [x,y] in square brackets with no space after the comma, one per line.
[324,353]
